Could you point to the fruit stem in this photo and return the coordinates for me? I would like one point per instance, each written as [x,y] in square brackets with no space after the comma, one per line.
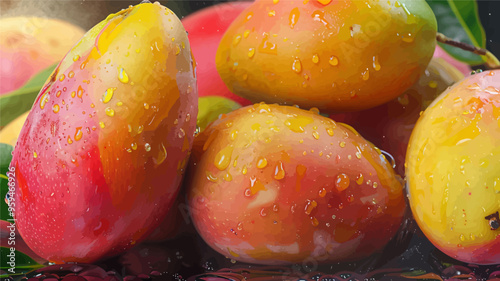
[491,61]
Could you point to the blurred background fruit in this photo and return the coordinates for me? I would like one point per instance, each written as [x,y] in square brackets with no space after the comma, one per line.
[10,133]
[453,170]
[30,44]
[205,29]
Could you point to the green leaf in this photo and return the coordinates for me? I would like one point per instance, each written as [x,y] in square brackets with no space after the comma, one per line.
[23,263]
[17,102]
[459,20]
[5,158]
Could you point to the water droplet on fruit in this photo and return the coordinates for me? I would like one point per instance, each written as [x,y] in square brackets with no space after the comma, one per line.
[109,111]
[108,94]
[61,77]
[69,140]
[44,100]
[133,146]
[123,76]
[55,108]
[162,155]
[223,158]
[334,61]
[78,134]
[342,144]
[271,13]
[76,57]
[268,47]
[101,124]
[262,163]
[324,2]
[35,155]
[310,206]
[246,33]
[251,52]
[342,182]
[147,147]
[236,39]
[365,74]
[315,135]
[315,58]
[279,171]
[297,65]
[294,17]
[376,64]
[298,124]
[322,192]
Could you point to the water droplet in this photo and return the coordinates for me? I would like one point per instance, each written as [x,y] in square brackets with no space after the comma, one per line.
[322,192]
[359,179]
[223,158]
[133,145]
[294,17]
[162,155]
[228,177]
[123,76]
[147,147]
[251,52]
[279,171]
[310,206]
[108,94]
[71,74]
[236,39]
[35,155]
[297,65]
[334,61]
[61,77]
[58,94]
[246,33]
[234,134]
[271,13]
[433,84]
[342,144]
[376,64]
[268,47]
[365,74]
[275,1]
[76,57]
[324,2]
[375,184]
[110,112]
[261,163]
[244,170]
[315,135]
[69,140]
[342,182]
[298,124]
[43,100]
[315,58]
[55,108]
[78,133]
[101,124]
[177,50]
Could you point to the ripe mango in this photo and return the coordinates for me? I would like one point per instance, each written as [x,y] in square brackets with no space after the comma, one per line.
[101,155]
[335,55]
[272,184]
[453,171]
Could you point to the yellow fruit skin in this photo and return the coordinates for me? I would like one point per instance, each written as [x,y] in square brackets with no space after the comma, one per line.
[342,56]
[453,170]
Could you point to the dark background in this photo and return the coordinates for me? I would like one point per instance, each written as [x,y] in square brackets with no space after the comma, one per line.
[87,13]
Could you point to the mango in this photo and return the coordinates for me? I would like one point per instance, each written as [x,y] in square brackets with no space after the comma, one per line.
[30,44]
[390,125]
[333,55]
[271,184]
[102,153]
[453,171]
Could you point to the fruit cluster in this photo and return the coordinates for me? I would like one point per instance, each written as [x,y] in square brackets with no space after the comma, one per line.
[102,154]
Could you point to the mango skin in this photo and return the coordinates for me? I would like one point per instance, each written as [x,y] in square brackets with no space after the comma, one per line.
[262,191]
[395,120]
[337,56]
[453,169]
[102,153]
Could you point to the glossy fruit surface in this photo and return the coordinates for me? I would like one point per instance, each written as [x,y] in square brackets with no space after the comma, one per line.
[101,155]
[453,170]
[205,28]
[276,184]
[334,55]
[30,44]
[389,125]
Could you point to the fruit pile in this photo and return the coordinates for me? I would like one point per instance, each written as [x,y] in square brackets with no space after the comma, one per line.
[361,139]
